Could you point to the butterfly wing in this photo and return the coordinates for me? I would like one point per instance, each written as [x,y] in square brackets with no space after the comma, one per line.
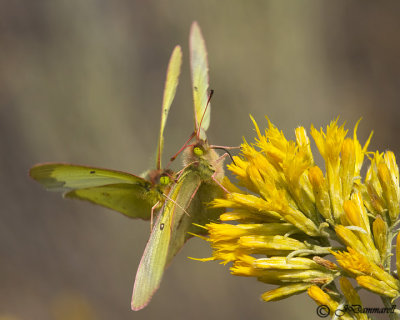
[199,70]
[171,83]
[164,239]
[132,200]
[200,205]
[183,219]
[120,191]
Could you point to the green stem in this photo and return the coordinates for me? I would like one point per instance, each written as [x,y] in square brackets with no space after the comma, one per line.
[386,263]
[387,303]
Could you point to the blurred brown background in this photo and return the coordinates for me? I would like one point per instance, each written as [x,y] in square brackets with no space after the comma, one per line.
[82,81]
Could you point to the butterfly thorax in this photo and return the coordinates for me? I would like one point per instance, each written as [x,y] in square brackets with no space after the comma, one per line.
[205,160]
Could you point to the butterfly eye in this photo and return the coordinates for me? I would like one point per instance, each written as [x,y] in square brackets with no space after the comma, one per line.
[198,151]
[164,180]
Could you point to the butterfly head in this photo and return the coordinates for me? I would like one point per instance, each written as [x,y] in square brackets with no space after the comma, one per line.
[203,157]
[162,178]
[165,180]
[196,152]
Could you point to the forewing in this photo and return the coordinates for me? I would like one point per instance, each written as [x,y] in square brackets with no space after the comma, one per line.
[152,264]
[119,191]
[199,69]
[67,177]
[156,253]
[171,83]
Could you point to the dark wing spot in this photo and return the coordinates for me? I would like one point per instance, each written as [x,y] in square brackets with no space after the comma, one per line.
[162,226]
[195,89]
[92,172]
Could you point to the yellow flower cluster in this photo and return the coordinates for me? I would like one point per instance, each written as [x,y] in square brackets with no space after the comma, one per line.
[282,228]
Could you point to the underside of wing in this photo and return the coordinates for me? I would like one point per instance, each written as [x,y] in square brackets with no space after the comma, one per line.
[200,209]
[67,177]
[152,264]
[163,239]
[190,184]
[171,83]
[199,69]
[119,191]
[129,199]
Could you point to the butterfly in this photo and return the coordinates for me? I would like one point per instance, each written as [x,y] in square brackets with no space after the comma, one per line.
[131,195]
[198,183]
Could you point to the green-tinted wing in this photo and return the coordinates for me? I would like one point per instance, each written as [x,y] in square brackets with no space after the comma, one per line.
[131,200]
[171,83]
[199,68]
[200,210]
[183,221]
[66,177]
[152,264]
[199,193]
[158,248]
[120,191]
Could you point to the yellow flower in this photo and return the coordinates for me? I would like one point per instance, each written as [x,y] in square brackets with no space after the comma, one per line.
[353,262]
[329,145]
[380,231]
[328,304]
[353,299]
[321,192]
[382,184]
[322,298]
[351,295]
[357,233]
[281,227]
[285,291]
[377,286]
[359,265]
[388,174]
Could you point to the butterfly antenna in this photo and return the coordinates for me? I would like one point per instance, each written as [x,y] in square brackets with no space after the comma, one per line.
[181,149]
[184,210]
[226,151]
[205,110]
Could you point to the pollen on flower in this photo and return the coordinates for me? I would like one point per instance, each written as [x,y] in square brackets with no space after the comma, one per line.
[353,262]
[288,219]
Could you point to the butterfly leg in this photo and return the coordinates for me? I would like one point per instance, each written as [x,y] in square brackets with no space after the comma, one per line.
[153,208]
[172,200]
[190,200]
[219,183]
[222,158]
